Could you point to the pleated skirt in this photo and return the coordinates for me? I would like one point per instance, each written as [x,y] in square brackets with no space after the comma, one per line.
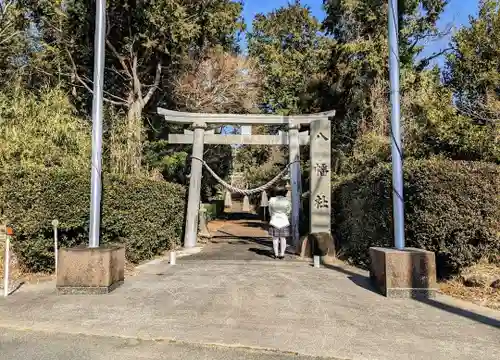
[275,232]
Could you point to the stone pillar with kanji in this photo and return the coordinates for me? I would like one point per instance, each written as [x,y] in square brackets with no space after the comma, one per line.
[320,194]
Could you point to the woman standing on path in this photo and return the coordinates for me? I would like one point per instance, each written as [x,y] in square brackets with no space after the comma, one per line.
[280,208]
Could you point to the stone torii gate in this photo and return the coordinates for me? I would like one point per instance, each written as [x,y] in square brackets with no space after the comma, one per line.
[319,139]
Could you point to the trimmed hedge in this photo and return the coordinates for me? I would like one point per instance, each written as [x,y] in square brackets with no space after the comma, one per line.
[452,208]
[145,215]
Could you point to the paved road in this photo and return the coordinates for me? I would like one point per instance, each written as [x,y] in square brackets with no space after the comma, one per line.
[28,345]
[243,240]
[284,305]
[249,249]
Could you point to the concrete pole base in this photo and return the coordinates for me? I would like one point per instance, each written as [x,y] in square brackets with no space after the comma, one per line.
[407,273]
[90,271]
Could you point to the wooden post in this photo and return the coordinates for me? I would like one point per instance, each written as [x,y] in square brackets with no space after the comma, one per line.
[295,179]
[193,206]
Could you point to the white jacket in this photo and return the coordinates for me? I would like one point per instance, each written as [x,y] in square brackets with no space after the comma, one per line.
[280,208]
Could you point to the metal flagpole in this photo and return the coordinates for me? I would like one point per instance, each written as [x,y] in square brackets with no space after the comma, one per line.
[97,104]
[396,149]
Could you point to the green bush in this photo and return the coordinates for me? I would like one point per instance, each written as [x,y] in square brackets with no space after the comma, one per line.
[211,209]
[145,215]
[452,208]
[40,130]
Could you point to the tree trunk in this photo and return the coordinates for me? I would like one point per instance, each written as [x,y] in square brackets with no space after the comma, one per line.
[134,138]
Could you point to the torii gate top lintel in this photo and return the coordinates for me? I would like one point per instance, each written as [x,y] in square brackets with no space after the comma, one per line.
[180,117]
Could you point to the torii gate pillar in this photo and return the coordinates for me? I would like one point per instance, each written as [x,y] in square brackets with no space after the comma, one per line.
[193,205]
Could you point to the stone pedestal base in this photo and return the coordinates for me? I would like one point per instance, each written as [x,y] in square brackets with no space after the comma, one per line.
[92,271]
[407,273]
[321,244]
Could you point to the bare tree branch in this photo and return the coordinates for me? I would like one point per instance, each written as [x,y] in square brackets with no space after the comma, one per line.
[439,53]
[481,110]
[433,36]
[155,85]
[117,72]
[120,58]
[75,73]
[424,62]
[4,5]
[105,92]
[40,70]
[10,37]
[220,82]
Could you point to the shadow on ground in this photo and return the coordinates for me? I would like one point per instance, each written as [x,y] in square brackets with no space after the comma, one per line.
[240,240]
[15,288]
[262,252]
[237,216]
[360,280]
[366,283]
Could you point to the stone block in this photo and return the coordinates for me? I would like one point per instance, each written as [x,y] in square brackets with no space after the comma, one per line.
[83,270]
[320,244]
[303,248]
[408,273]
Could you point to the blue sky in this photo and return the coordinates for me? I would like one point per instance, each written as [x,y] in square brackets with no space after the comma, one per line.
[456,14]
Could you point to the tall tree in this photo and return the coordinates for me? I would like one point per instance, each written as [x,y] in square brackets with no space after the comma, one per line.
[473,68]
[291,53]
[147,41]
[359,59]
[13,44]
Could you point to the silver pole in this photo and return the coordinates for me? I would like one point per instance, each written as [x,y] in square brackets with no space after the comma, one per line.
[95,200]
[396,148]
